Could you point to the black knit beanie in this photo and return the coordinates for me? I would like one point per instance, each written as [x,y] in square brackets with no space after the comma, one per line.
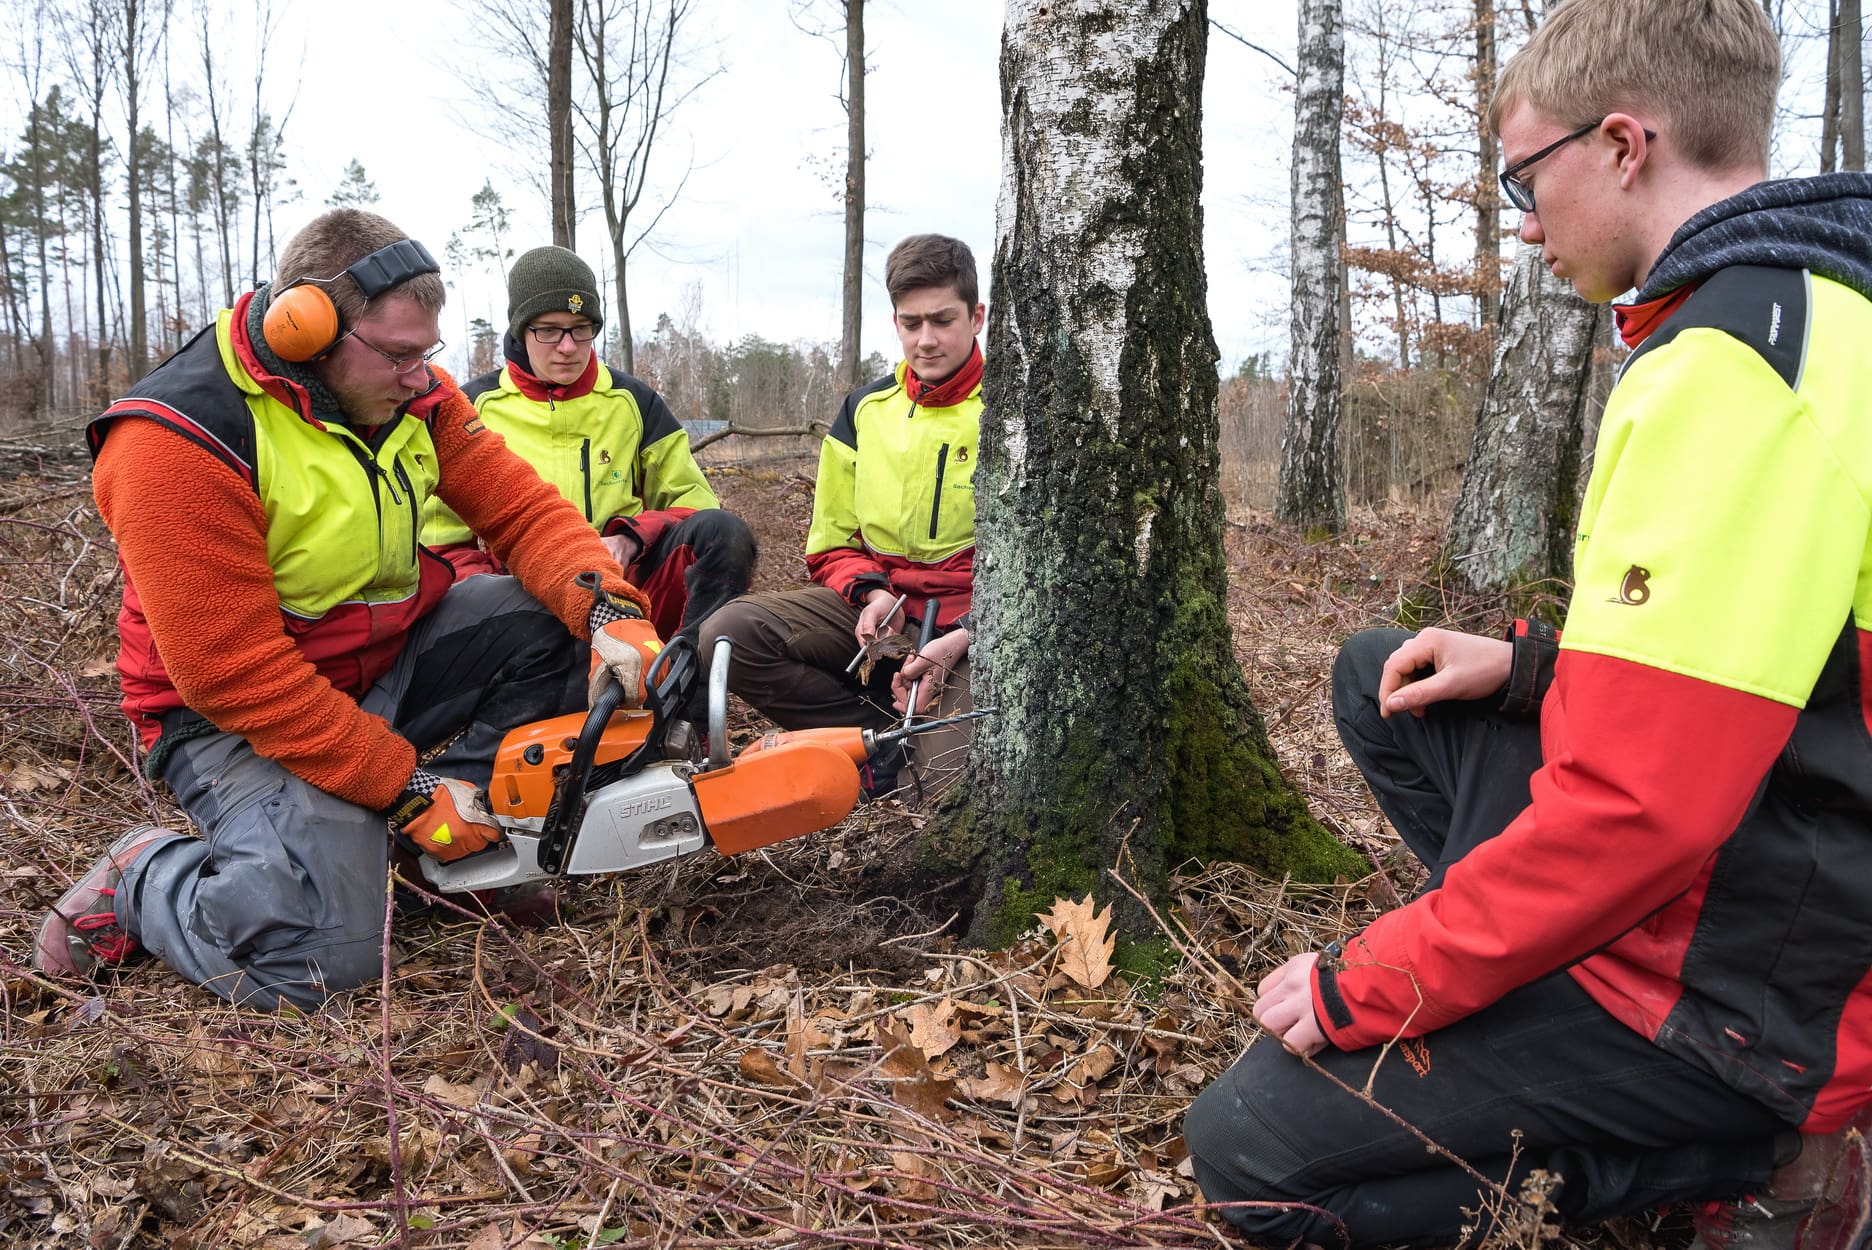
[550,279]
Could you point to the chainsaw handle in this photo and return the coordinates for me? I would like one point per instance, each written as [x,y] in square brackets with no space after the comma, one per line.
[723,656]
[567,809]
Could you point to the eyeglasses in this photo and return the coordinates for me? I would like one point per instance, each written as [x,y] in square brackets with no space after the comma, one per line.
[401,364]
[549,335]
[1519,193]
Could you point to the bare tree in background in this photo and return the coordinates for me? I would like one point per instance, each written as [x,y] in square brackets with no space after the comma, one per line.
[1311,493]
[1842,119]
[629,50]
[1511,533]
[559,122]
[30,67]
[222,164]
[848,38]
[1488,156]
[852,289]
[1125,737]
[89,54]
[140,27]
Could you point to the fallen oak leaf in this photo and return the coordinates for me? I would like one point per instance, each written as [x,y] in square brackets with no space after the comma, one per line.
[1085,946]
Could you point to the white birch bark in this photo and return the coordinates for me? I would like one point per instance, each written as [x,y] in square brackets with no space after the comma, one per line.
[1311,493]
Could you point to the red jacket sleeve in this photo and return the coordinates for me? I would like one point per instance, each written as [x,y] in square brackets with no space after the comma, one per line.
[646,527]
[1625,811]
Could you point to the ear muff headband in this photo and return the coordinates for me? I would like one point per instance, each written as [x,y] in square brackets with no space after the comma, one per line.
[302,322]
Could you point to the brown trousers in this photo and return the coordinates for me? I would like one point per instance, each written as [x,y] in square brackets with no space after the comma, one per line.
[790,652]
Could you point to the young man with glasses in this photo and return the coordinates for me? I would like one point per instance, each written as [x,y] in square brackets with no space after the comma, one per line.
[1641,961]
[608,442]
[288,648]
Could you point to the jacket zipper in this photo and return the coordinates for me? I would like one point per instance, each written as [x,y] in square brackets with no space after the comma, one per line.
[942,462]
[409,492]
[585,471]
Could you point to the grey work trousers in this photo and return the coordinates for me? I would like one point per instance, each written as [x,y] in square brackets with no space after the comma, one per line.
[790,651]
[282,897]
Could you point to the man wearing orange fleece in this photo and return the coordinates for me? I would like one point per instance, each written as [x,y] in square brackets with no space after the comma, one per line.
[289,649]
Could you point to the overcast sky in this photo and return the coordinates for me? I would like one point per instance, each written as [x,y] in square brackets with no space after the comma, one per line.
[757,226]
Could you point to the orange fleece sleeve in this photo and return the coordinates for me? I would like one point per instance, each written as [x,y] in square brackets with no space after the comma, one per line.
[192,537]
[543,540]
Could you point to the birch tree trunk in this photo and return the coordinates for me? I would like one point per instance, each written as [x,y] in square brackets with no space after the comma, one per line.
[1311,493]
[1488,156]
[1125,735]
[1512,529]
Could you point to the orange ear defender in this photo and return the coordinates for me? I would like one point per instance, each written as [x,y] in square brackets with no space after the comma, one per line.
[302,322]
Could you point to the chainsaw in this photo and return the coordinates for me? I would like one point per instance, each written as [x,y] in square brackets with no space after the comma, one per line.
[615,789]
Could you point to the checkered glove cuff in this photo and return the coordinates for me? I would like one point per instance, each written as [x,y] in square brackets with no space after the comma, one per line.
[613,608]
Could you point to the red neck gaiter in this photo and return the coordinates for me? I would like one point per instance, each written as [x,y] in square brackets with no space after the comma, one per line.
[538,389]
[1637,321]
[952,390]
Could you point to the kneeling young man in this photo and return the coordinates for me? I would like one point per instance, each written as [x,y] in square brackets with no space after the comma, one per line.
[1642,957]
[289,651]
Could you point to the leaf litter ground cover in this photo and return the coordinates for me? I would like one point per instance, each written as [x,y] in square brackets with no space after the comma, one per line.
[784,1049]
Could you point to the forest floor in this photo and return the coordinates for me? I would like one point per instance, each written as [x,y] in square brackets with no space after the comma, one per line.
[788,1048]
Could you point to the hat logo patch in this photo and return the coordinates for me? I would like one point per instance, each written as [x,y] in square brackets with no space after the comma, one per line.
[575,302]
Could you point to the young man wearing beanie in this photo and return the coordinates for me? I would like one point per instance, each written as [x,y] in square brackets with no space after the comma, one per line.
[610,445]
[893,520]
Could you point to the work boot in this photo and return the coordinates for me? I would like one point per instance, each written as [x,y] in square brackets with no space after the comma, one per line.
[81,932]
[1815,1200]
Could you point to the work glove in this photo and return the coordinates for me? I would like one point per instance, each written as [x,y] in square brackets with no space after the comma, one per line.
[624,646]
[443,817]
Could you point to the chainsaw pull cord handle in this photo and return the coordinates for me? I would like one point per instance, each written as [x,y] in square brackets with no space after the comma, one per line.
[567,810]
[718,756]
[930,608]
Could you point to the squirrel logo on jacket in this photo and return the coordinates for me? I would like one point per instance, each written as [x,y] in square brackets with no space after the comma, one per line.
[1635,588]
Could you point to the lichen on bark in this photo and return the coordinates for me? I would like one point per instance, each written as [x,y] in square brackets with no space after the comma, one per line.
[1125,737]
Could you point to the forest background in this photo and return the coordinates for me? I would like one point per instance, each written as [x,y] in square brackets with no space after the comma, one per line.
[730,186]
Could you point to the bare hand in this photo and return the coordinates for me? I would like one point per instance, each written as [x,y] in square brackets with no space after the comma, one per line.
[1284,1005]
[875,620]
[623,546]
[933,665]
[1467,667]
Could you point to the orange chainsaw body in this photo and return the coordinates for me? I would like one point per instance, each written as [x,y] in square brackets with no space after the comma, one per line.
[799,784]
[526,765]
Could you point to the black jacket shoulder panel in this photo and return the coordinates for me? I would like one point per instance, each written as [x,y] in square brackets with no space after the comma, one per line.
[191,394]
[474,388]
[845,425]
[1764,307]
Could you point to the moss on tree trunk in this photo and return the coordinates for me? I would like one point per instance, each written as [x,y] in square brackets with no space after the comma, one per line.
[1126,737]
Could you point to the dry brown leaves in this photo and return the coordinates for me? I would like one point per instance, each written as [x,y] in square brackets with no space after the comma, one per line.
[716,1053]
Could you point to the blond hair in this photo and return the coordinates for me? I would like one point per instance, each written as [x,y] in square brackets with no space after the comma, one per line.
[331,243]
[1710,69]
